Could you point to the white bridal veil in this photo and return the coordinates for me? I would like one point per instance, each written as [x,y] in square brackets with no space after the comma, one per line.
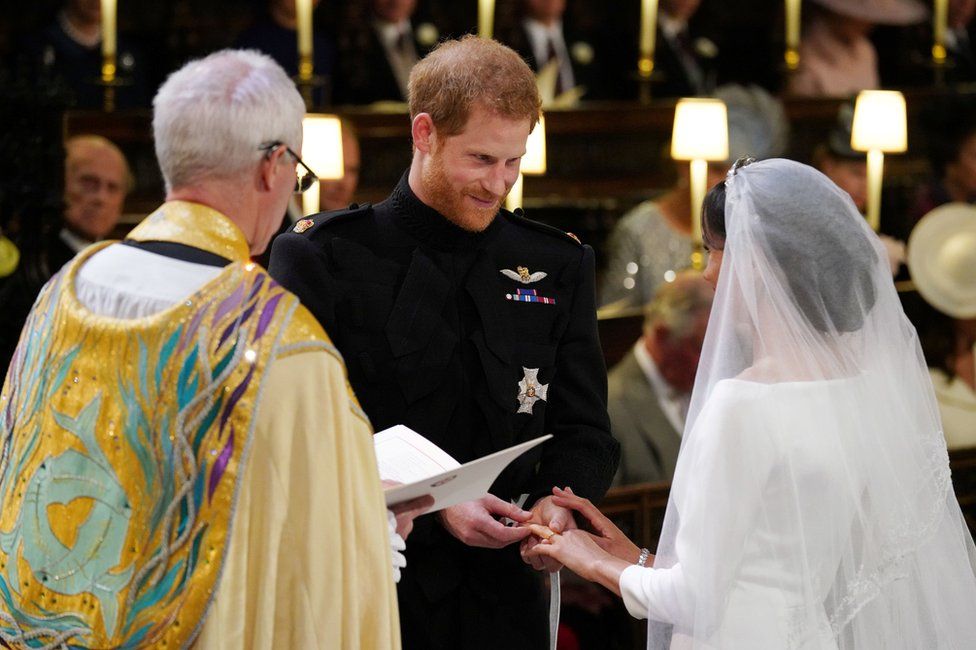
[812,505]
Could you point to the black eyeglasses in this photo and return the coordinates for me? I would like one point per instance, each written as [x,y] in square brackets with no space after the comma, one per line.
[304,176]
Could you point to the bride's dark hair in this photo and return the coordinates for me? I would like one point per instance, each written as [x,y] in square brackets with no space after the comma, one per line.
[713,209]
[823,253]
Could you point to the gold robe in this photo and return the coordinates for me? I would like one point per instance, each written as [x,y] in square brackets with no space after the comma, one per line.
[272,529]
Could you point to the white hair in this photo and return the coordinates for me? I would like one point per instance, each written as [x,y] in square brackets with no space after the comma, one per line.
[211,116]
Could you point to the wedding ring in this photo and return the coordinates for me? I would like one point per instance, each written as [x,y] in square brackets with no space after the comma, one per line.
[543,532]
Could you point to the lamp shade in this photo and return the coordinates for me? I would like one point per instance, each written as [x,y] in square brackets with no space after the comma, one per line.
[322,145]
[701,130]
[879,122]
[534,160]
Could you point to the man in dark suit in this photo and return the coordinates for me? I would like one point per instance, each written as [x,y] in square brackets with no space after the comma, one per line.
[96,181]
[651,387]
[378,50]
[475,327]
[542,36]
[684,63]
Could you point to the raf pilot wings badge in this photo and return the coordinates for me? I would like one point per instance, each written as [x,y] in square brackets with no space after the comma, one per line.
[521,274]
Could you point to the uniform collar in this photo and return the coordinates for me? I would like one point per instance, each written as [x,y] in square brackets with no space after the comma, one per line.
[430,226]
[196,225]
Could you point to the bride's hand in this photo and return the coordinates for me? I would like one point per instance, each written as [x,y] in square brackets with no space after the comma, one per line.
[608,537]
[580,551]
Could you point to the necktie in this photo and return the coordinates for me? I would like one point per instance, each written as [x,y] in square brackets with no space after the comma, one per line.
[401,44]
[553,55]
[684,42]
[689,61]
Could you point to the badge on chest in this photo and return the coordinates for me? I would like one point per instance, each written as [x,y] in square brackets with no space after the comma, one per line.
[530,390]
[522,275]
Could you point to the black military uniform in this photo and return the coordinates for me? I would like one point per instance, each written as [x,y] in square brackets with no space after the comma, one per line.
[437,336]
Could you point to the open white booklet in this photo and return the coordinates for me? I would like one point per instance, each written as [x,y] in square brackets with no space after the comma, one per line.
[405,456]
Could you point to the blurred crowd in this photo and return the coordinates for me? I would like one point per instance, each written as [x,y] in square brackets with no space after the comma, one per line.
[363,49]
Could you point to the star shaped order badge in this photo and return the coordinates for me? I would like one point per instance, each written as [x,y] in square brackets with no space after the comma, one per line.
[530,390]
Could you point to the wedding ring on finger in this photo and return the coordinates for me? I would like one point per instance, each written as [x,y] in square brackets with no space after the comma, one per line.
[543,532]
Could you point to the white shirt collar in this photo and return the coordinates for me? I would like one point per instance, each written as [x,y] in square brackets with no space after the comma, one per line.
[673,404]
[540,35]
[538,30]
[390,32]
[670,26]
[539,38]
[73,241]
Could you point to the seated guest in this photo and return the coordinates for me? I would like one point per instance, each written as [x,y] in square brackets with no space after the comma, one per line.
[959,49]
[952,154]
[653,241]
[377,50]
[683,61]
[942,260]
[542,36]
[96,181]
[836,56]
[70,49]
[337,194]
[848,169]
[650,389]
[274,33]
[905,53]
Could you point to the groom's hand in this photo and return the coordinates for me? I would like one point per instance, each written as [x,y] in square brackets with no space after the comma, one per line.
[557,519]
[475,523]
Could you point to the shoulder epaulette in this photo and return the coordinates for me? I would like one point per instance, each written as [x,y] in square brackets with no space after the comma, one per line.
[518,218]
[310,224]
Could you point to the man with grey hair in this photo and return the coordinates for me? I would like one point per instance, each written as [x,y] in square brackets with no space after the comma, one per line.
[191,492]
[650,388]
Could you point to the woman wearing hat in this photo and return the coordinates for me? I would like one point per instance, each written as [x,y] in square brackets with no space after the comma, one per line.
[812,506]
[942,260]
[836,56]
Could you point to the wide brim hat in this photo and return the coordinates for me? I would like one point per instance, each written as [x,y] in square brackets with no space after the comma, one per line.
[879,12]
[942,259]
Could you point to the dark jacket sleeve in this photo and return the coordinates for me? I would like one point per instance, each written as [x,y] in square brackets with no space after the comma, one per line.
[582,454]
[301,265]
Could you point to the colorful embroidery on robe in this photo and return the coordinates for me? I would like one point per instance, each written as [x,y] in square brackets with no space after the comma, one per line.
[118,479]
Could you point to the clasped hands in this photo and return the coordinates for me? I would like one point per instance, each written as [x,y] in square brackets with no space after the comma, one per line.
[548,535]
[476,523]
[584,552]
